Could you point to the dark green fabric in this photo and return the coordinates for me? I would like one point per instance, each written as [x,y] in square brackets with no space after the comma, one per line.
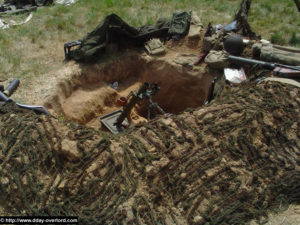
[96,41]
[162,23]
[22,3]
[114,30]
[180,24]
[43,2]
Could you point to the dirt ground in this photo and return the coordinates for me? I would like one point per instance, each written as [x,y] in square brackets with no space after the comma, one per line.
[84,93]
[289,216]
[228,162]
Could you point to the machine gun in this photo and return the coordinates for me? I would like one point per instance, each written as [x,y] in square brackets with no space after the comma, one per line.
[4,98]
[68,46]
[278,69]
[116,121]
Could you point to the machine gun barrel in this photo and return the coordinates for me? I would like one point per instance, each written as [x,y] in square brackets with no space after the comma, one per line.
[12,87]
[4,97]
[263,64]
[278,69]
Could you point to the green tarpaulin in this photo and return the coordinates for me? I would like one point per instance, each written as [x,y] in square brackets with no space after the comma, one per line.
[114,30]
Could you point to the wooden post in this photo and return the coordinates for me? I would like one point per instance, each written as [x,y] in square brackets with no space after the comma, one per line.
[297,2]
[242,20]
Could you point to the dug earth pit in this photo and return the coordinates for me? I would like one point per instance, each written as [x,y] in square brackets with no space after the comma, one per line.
[89,94]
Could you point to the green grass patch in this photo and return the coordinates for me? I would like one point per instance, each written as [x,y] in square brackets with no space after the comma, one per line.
[277,38]
[295,40]
[42,38]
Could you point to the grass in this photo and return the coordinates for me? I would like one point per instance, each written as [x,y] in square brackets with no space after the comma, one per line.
[294,40]
[36,48]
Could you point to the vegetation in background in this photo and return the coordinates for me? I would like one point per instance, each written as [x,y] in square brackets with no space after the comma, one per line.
[36,48]
[294,39]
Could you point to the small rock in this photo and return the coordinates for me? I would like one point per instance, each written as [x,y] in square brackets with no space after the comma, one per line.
[183,175]
[207,194]
[293,94]
[150,170]
[93,167]
[198,220]
[295,104]
[70,149]
[18,159]
[175,154]
[24,180]
[103,171]
[4,180]
[153,149]
[164,161]
[223,161]
[167,121]
[61,185]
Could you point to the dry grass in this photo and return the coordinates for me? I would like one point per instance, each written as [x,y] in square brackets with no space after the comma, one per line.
[36,48]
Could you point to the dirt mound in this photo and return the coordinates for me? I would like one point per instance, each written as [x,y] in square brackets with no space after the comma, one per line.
[89,95]
[224,163]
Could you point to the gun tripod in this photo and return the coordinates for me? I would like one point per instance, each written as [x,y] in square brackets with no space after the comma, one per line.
[153,107]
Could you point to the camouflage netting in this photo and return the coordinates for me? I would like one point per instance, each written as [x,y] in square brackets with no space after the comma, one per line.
[224,163]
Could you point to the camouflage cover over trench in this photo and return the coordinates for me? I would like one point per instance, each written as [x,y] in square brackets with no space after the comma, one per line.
[225,163]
